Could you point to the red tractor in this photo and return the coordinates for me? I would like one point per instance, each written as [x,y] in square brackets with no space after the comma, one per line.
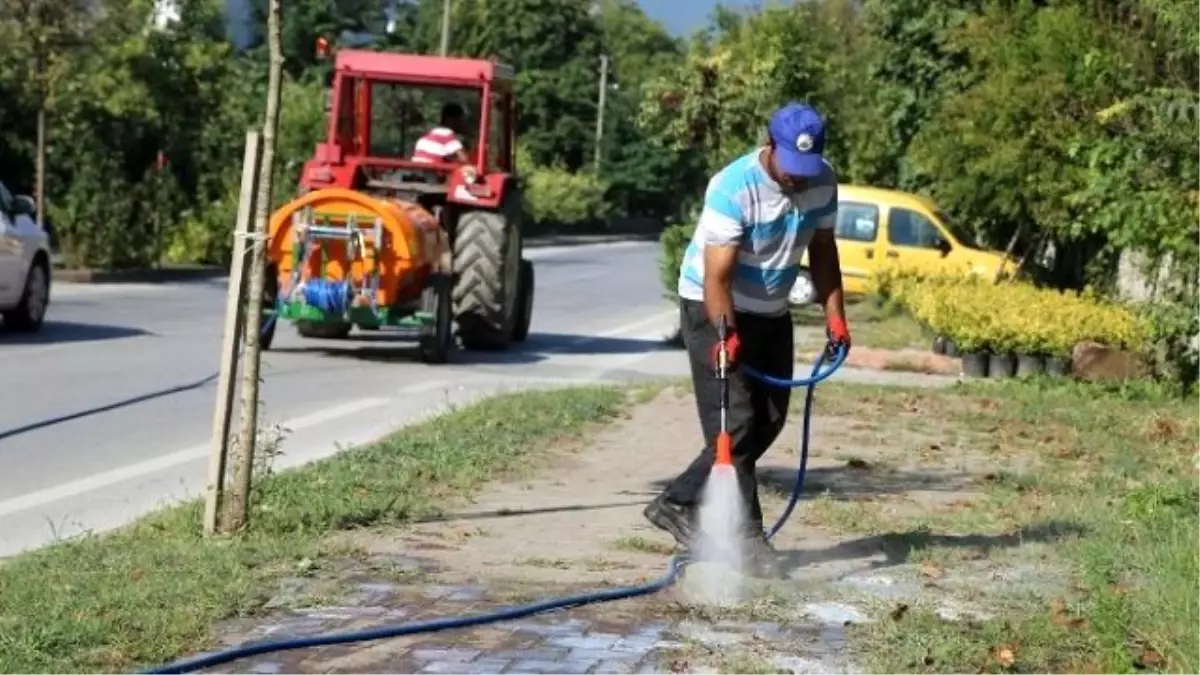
[434,221]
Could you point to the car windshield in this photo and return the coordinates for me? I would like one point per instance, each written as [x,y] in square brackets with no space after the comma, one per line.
[962,234]
[402,113]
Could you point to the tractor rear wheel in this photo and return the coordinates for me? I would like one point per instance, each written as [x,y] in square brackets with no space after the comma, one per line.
[525,303]
[323,330]
[487,266]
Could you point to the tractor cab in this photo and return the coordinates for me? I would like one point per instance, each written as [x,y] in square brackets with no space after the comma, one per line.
[380,107]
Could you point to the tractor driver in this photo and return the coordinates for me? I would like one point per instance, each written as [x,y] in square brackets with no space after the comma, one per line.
[441,143]
[761,212]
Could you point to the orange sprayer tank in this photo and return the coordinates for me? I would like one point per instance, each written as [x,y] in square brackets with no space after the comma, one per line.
[412,242]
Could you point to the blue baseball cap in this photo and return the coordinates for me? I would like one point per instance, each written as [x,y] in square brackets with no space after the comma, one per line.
[799,134]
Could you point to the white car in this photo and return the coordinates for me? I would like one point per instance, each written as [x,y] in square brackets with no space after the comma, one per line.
[803,291]
[24,264]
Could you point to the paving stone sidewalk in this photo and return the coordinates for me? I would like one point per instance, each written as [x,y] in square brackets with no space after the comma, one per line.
[629,636]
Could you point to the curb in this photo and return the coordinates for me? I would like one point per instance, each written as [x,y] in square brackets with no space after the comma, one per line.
[173,274]
[166,275]
[549,240]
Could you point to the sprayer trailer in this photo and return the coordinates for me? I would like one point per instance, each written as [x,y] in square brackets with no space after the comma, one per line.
[384,233]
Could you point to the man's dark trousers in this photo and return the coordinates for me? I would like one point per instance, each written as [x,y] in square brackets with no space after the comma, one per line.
[757,412]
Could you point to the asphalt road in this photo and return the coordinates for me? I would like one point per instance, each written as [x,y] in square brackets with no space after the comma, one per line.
[107,412]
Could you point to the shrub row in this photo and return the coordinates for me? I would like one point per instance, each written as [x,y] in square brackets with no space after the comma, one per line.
[1013,317]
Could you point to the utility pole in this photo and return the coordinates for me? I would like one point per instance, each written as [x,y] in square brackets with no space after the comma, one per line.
[239,502]
[600,107]
[445,27]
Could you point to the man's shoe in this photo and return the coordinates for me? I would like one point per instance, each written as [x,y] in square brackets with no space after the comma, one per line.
[676,519]
[760,558]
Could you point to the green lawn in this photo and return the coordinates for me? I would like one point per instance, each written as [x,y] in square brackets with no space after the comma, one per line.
[871,325]
[1113,469]
[154,590]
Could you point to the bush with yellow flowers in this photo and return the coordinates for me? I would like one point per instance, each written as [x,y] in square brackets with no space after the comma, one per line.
[1011,317]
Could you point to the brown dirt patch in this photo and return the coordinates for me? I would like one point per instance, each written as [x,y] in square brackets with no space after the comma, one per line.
[579,519]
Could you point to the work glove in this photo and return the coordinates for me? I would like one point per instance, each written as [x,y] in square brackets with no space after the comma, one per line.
[733,345]
[837,332]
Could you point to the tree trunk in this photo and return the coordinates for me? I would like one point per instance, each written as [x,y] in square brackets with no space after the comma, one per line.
[239,502]
[39,190]
[40,166]
[1008,250]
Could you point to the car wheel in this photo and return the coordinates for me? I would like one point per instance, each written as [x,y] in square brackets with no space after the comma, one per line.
[27,317]
[803,292]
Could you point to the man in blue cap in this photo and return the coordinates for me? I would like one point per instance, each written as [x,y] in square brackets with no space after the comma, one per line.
[760,214]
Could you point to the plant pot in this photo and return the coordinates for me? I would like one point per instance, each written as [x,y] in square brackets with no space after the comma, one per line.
[1058,366]
[952,349]
[1030,365]
[939,345]
[1001,366]
[975,364]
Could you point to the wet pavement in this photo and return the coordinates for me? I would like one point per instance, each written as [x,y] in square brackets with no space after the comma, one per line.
[653,634]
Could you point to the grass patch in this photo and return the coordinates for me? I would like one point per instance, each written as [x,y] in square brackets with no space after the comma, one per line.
[872,325]
[635,544]
[153,590]
[1099,481]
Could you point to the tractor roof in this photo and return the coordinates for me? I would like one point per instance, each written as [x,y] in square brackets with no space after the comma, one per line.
[416,67]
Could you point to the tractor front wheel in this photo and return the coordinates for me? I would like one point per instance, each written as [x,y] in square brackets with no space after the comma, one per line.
[487,262]
[437,338]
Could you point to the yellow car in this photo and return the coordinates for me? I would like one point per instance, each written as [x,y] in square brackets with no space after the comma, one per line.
[879,228]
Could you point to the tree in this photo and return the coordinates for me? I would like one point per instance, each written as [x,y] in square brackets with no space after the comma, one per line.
[39,32]
[248,434]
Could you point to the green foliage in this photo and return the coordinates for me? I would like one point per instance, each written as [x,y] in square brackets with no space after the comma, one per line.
[117,93]
[674,241]
[1065,129]
[556,198]
[1174,327]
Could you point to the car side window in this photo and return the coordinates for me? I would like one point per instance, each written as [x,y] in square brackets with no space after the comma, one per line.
[857,222]
[909,228]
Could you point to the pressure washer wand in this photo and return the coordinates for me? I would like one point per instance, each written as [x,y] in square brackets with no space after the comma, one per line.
[724,445]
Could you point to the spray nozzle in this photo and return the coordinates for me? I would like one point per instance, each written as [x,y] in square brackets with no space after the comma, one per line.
[722,355]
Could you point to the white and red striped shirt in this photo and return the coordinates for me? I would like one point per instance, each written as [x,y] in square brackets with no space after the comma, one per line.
[437,145]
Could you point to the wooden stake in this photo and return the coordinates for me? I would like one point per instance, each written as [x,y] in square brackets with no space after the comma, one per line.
[223,410]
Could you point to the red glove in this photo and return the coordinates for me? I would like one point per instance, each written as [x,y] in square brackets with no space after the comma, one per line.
[733,345]
[837,331]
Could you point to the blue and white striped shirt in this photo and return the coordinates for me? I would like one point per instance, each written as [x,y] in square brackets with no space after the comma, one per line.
[743,205]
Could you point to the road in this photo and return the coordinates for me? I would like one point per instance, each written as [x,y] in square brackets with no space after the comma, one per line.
[106,413]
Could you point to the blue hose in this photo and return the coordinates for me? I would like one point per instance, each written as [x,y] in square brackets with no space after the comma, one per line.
[674,567]
[810,385]
[331,297]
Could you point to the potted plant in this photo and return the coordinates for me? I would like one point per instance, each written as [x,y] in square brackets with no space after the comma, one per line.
[1060,341]
[1004,321]
[975,357]
[1002,363]
[1030,346]
[939,344]
[968,338]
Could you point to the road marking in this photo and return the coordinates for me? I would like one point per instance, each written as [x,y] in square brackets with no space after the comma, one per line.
[91,483]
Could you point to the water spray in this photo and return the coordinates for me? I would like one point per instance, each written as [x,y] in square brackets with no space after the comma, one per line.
[716,574]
